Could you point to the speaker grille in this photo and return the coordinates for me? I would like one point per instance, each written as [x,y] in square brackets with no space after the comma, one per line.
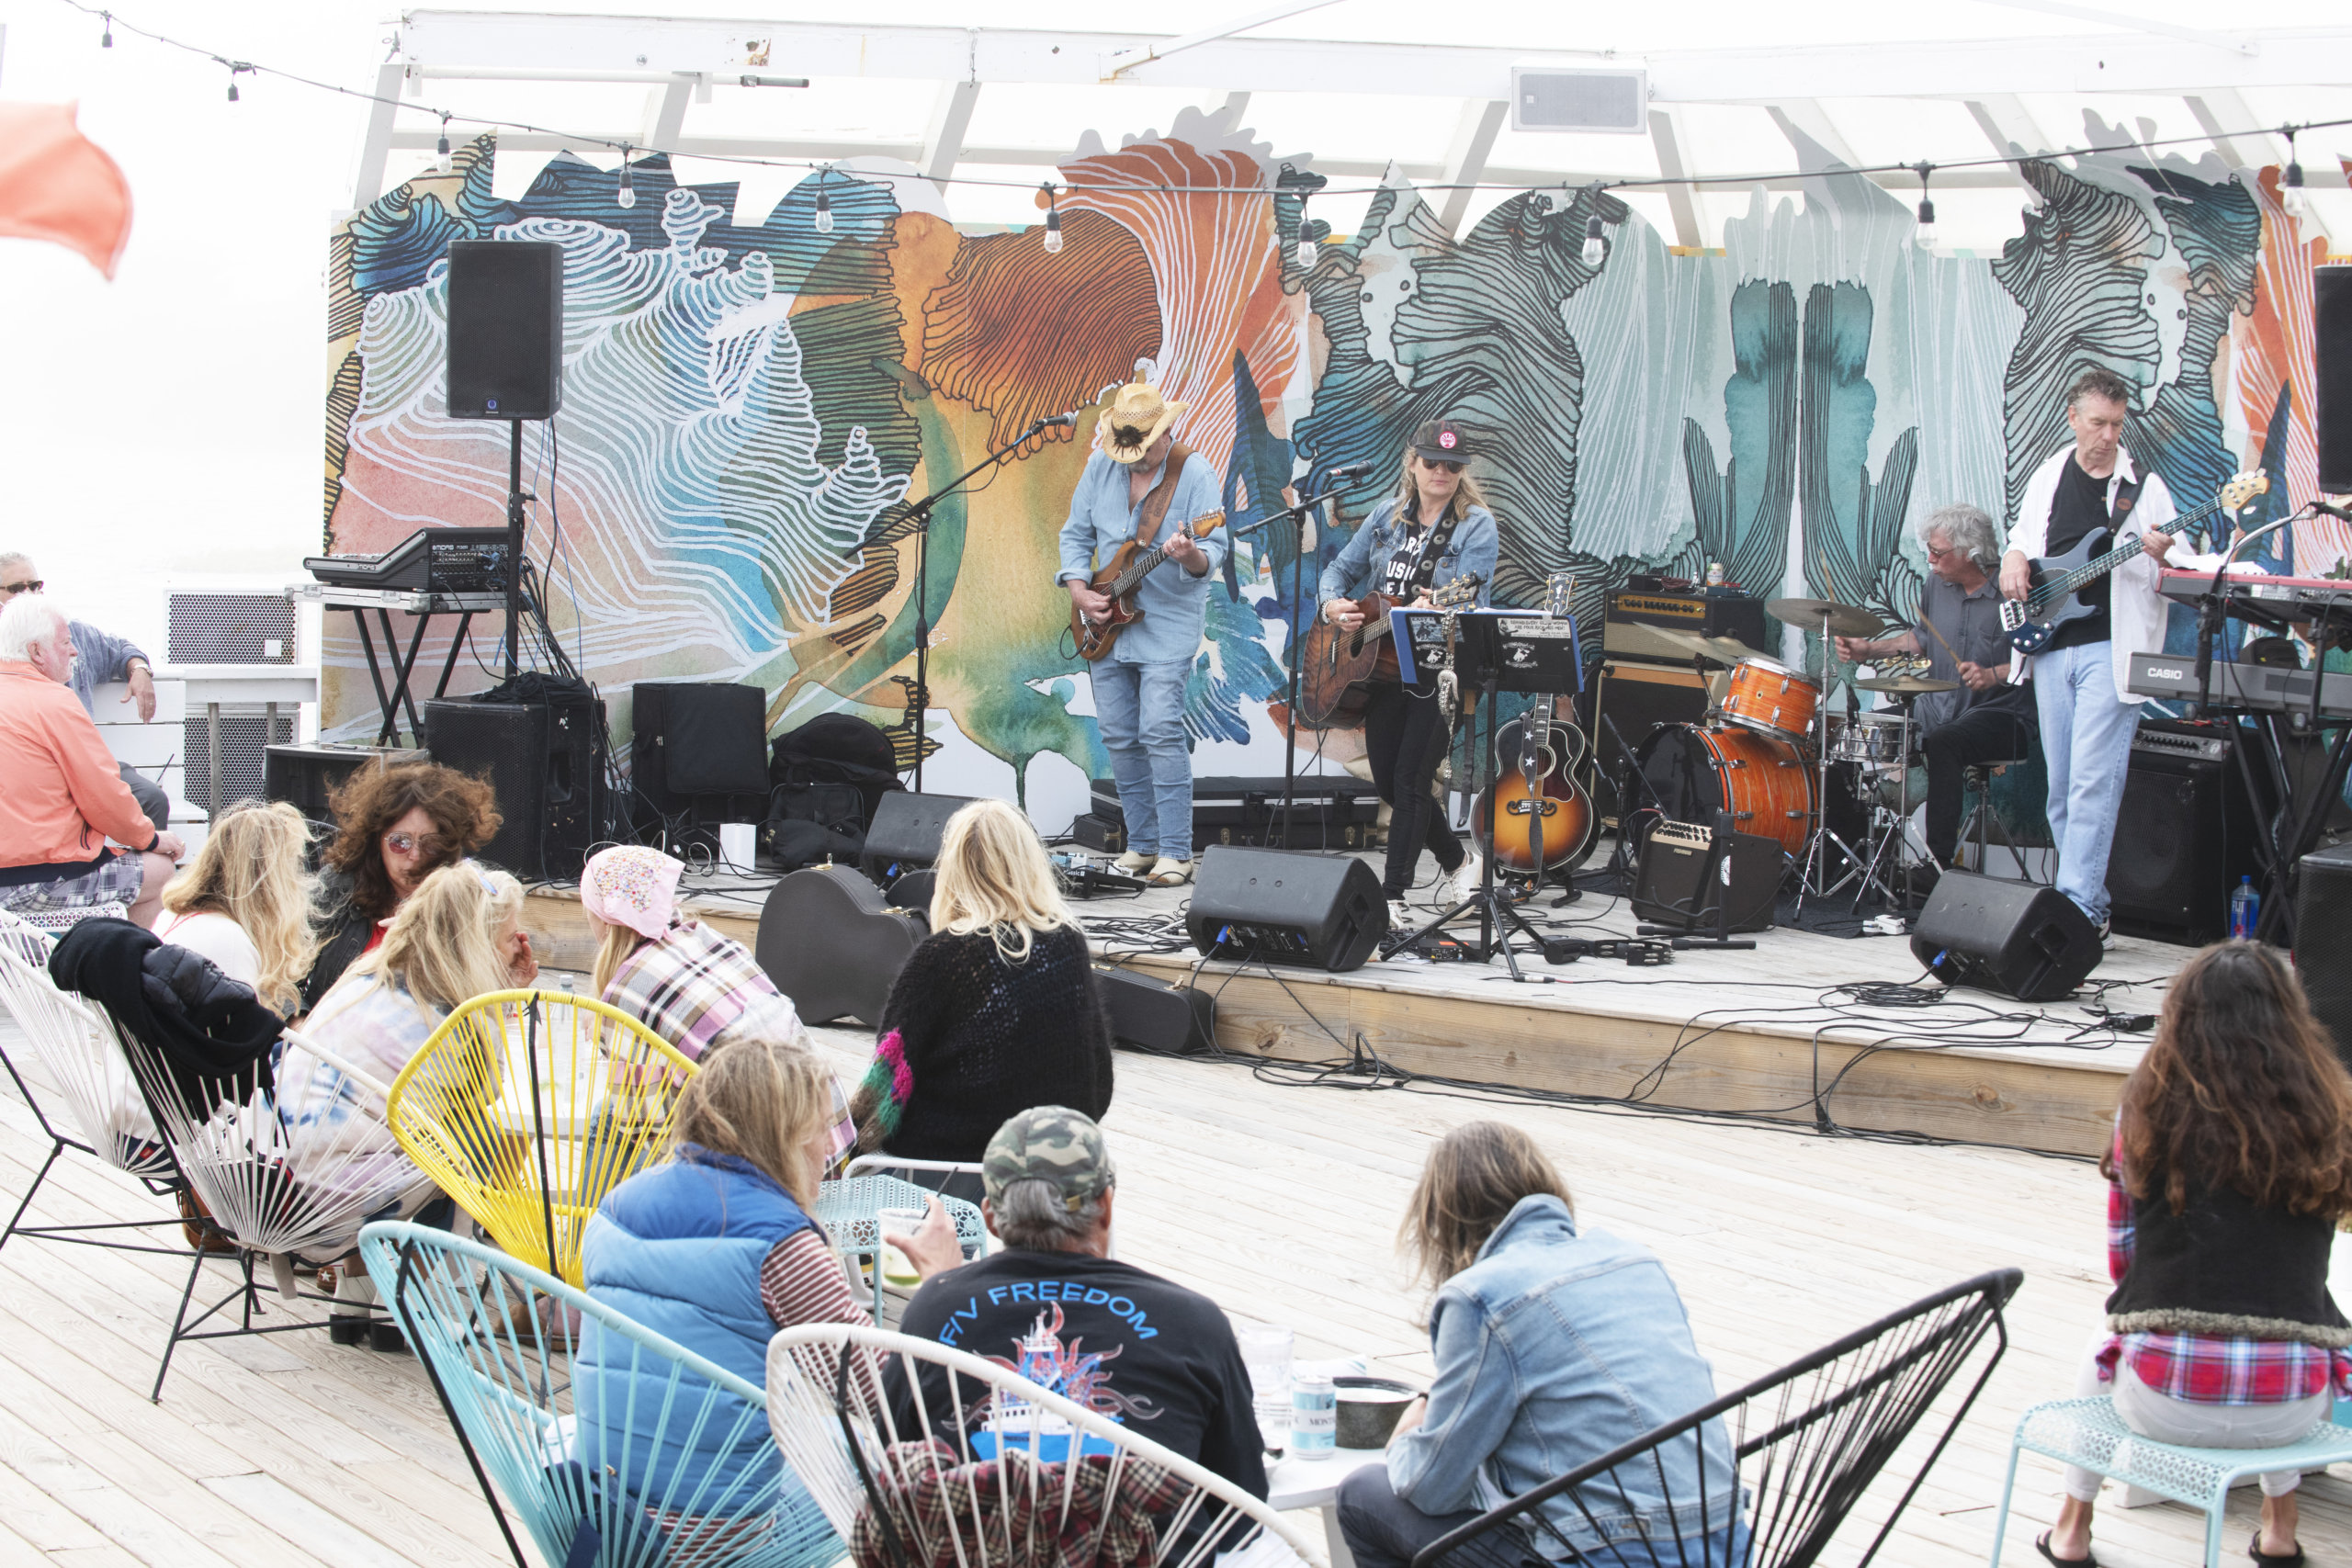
[2324,939]
[505,358]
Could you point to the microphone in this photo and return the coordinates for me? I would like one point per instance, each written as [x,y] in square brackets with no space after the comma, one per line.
[1353,471]
[2343,512]
[1052,420]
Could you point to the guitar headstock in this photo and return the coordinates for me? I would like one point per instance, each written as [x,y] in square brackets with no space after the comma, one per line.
[1559,594]
[1462,590]
[1208,523]
[2244,488]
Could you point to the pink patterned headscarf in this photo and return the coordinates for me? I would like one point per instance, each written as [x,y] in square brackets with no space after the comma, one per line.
[633,886]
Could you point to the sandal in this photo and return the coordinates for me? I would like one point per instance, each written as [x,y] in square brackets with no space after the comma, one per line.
[2042,1544]
[2274,1560]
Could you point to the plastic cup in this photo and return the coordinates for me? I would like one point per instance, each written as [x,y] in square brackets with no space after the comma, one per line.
[898,1269]
[1266,1351]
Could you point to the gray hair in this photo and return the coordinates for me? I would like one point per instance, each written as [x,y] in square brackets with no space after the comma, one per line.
[13,558]
[1967,529]
[1030,1214]
[30,618]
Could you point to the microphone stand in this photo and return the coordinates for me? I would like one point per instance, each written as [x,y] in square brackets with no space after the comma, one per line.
[922,516]
[2212,612]
[1297,514]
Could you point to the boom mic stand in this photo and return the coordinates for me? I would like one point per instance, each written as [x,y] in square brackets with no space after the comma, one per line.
[1297,514]
[922,516]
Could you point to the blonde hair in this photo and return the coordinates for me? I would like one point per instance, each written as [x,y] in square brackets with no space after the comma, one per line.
[444,945]
[1474,1177]
[611,951]
[762,1101]
[1408,494]
[252,870]
[993,874]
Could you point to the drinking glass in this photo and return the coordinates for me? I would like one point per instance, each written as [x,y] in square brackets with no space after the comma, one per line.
[1266,1351]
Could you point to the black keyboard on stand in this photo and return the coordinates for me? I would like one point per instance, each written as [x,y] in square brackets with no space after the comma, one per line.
[435,560]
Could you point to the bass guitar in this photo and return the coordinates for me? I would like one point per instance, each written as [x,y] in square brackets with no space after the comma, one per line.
[1543,821]
[2032,621]
[1338,665]
[1119,579]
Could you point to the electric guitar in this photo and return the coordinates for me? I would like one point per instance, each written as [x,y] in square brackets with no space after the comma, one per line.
[1119,579]
[1543,819]
[2032,621]
[1338,665]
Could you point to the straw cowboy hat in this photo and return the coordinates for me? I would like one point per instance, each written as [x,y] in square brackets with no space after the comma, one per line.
[1136,419]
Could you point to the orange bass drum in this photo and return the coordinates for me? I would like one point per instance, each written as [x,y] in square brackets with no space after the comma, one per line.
[1762,779]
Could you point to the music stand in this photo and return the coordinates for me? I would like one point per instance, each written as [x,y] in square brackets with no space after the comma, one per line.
[1495,650]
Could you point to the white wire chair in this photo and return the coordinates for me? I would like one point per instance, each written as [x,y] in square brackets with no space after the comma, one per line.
[928,1457]
[77,1058]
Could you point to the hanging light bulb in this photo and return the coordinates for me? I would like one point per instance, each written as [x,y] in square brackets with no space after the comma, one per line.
[823,221]
[1925,238]
[1596,244]
[232,80]
[626,195]
[2292,195]
[1053,222]
[1305,255]
[442,158]
[106,39]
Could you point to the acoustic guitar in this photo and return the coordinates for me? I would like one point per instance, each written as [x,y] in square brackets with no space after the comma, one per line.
[1338,665]
[1543,821]
[2032,621]
[1119,579]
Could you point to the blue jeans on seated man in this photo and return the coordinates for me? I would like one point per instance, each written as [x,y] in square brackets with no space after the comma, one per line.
[1382,1530]
[1140,711]
[2087,746]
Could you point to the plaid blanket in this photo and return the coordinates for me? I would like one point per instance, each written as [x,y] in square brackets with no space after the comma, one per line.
[1014,1504]
[694,983]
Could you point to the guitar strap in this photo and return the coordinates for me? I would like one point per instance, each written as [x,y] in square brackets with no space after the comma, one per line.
[1425,569]
[2126,492]
[1156,504]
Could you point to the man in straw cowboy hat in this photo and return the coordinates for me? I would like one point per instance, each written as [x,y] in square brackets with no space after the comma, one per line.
[1142,486]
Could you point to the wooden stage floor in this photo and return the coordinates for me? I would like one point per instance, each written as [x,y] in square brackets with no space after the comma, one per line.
[1763,1033]
[1280,1202]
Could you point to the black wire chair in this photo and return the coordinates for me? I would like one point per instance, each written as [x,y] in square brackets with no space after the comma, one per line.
[1804,1443]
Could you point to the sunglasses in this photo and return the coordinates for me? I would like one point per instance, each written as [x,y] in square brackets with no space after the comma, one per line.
[412,844]
[35,586]
[1441,463]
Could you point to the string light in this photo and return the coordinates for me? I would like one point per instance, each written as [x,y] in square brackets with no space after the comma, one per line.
[1305,240]
[106,39]
[233,68]
[1925,237]
[1596,248]
[626,195]
[2292,194]
[442,158]
[1053,222]
[824,218]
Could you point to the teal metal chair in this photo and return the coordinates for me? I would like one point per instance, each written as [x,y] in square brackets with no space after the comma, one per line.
[617,1447]
[2087,1432]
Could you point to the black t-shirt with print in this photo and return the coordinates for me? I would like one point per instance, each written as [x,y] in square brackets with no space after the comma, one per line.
[1403,562]
[2079,509]
[1145,1352]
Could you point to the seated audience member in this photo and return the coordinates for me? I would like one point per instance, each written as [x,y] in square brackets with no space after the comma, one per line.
[457,936]
[395,826]
[244,902]
[62,795]
[1054,1306]
[1553,1346]
[2231,1169]
[101,659]
[690,985]
[995,1011]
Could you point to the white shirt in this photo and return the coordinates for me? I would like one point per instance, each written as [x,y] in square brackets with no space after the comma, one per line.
[216,937]
[2136,611]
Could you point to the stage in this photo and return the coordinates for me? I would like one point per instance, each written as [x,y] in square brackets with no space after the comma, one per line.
[1767,1033]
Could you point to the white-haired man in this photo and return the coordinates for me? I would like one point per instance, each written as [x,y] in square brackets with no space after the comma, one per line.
[62,795]
[103,658]
[1988,719]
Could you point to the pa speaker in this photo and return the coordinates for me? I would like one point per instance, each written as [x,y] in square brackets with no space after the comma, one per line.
[2017,937]
[505,329]
[1671,886]
[1179,1020]
[2332,348]
[544,761]
[1287,907]
[2185,787]
[2324,939]
[905,833]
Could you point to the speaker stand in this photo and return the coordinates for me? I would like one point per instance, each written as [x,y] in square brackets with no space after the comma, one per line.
[515,497]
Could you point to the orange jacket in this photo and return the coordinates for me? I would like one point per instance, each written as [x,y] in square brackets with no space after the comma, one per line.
[62,794]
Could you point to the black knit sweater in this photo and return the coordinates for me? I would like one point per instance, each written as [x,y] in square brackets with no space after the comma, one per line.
[968,1040]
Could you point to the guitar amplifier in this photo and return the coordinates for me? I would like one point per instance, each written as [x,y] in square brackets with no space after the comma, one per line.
[1634,617]
[1670,886]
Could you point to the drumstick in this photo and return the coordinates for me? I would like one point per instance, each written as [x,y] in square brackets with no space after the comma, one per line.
[1938,636]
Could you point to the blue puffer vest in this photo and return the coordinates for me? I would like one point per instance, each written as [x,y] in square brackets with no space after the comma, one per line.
[678,1248]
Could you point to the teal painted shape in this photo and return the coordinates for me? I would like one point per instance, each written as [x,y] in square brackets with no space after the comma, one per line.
[1853,526]
[1741,515]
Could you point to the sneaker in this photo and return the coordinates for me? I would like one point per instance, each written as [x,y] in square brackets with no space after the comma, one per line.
[1135,862]
[1170,872]
[1462,883]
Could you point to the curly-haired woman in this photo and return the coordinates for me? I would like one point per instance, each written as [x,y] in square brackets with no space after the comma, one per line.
[397,825]
[2230,1167]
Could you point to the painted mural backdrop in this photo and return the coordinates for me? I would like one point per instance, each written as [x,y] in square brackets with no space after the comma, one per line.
[750,412]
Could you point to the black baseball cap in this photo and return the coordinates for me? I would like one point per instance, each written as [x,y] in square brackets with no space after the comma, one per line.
[1443,441]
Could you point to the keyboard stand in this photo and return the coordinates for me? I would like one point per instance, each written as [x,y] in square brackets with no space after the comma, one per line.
[396,698]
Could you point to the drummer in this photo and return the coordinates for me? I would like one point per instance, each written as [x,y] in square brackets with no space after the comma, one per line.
[1986,719]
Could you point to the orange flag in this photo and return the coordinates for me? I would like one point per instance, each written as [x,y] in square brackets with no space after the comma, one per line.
[56,184]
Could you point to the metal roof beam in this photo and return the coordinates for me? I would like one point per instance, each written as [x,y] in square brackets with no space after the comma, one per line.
[665,118]
[368,182]
[1466,160]
[1125,59]
[2238,43]
[1679,198]
[2008,125]
[1807,116]
[2217,109]
[943,143]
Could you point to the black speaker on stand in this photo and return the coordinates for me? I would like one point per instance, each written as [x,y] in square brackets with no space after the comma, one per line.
[699,758]
[2184,789]
[2018,939]
[546,763]
[1287,907]
[2324,939]
[2331,351]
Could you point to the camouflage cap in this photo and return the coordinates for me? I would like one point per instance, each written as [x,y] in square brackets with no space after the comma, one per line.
[1049,1143]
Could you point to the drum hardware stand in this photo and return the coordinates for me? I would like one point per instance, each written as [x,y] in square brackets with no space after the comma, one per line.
[1816,868]
[1891,839]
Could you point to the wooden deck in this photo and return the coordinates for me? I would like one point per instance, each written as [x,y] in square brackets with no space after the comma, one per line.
[1278,1202]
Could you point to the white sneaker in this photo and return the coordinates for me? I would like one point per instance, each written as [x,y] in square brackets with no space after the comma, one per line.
[1452,890]
[1135,862]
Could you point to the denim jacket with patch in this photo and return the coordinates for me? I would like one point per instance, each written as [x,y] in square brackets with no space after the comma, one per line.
[1357,568]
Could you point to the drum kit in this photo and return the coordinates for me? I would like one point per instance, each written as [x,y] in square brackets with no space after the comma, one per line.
[1834,790]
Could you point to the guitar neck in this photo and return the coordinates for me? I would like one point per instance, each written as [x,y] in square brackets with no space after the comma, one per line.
[1141,568]
[2091,570]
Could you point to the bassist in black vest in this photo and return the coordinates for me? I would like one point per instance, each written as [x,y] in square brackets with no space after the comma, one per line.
[2087,714]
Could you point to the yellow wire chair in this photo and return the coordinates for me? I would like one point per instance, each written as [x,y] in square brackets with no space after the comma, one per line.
[528,1106]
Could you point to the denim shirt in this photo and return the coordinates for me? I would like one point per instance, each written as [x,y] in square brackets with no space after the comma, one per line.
[1553,1348]
[1354,571]
[1174,602]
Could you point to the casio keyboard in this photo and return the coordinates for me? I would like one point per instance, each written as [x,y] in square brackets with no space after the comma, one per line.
[2259,688]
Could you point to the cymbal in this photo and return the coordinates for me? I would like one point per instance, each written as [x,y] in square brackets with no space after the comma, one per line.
[1845,620]
[1724,650]
[1906,684]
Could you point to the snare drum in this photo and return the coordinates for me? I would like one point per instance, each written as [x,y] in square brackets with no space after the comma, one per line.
[1874,740]
[1770,698]
[1762,779]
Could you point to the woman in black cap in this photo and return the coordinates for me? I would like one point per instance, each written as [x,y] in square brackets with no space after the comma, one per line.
[1434,531]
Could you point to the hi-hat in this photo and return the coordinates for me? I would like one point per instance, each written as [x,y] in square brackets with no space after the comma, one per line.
[1844,620]
[1904,684]
[1725,650]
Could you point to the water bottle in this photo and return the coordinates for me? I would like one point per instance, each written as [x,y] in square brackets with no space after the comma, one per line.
[2245,910]
[1313,1415]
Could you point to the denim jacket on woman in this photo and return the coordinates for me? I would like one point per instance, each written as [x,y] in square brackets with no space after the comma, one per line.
[1553,1348]
[1354,572]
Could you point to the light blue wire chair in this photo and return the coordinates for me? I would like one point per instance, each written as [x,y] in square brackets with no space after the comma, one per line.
[618,1448]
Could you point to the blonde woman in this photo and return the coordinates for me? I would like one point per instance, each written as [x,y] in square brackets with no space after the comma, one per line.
[996,1011]
[244,902]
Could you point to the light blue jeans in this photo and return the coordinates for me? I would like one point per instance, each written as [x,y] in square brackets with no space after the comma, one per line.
[1140,710]
[2087,742]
